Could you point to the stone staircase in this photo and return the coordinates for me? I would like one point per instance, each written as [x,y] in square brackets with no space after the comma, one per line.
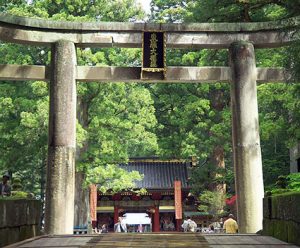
[153,240]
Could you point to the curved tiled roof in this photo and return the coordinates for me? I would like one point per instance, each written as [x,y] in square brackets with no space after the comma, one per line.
[159,174]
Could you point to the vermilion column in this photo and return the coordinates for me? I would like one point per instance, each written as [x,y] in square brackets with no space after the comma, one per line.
[178,225]
[156,219]
[116,213]
[178,203]
[93,204]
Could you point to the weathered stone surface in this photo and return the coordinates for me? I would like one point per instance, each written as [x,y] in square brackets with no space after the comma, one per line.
[294,232]
[287,231]
[19,220]
[59,210]
[284,220]
[133,74]
[19,212]
[268,228]
[22,72]
[245,136]
[62,116]
[215,35]
[28,231]
[294,155]
[267,208]
[174,240]
[121,26]
[33,212]
[134,40]
[286,206]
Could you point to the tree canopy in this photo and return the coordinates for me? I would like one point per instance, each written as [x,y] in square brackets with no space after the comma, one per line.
[117,121]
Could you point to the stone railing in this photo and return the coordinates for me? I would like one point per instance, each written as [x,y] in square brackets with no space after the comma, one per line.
[282,217]
[19,220]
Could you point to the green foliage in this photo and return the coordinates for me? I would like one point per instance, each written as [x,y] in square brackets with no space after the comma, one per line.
[281,182]
[19,195]
[189,124]
[276,106]
[17,186]
[223,11]
[23,130]
[120,122]
[116,121]
[112,177]
[204,177]
[80,10]
[294,181]
[118,118]
[278,103]
[285,184]
[212,202]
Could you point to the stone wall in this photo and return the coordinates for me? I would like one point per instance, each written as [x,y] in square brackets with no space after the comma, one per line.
[19,220]
[282,217]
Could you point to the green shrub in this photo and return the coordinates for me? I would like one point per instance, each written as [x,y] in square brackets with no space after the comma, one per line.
[284,184]
[294,181]
[20,195]
[17,186]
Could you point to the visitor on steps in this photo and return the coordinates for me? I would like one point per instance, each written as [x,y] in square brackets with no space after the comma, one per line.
[120,226]
[104,228]
[189,225]
[230,225]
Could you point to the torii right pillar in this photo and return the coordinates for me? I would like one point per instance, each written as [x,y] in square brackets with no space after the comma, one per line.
[245,137]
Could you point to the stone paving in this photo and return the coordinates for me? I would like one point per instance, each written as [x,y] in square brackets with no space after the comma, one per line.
[153,240]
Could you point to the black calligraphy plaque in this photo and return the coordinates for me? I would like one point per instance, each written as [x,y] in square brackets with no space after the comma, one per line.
[154,51]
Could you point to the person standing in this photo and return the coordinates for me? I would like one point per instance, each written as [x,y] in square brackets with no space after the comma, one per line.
[230,225]
[5,189]
[123,225]
[117,226]
[120,226]
[104,228]
[140,228]
[189,225]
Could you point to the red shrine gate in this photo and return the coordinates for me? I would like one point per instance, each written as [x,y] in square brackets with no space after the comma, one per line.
[166,183]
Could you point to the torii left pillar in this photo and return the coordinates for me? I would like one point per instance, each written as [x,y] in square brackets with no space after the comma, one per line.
[60,187]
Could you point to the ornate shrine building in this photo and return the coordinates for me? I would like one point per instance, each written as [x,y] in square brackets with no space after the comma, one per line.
[166,199]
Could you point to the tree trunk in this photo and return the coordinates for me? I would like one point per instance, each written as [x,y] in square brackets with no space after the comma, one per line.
[218,161]
[82,207]
[218,103]
[81,211]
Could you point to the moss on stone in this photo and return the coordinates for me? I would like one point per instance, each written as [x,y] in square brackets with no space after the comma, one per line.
[280,230]
[19,220]
[284,222]
[293,232]
[268,227]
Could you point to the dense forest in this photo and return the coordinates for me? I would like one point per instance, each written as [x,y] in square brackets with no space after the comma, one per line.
[117,121]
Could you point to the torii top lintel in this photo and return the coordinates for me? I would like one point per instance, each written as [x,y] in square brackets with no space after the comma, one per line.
[34,31]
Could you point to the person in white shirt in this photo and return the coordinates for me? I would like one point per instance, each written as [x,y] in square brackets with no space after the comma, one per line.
[189,225]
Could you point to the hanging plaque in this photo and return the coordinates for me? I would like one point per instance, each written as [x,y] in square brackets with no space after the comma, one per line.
[178,200]
[154,54]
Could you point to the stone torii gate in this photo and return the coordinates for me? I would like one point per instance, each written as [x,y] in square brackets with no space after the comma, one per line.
[63,37]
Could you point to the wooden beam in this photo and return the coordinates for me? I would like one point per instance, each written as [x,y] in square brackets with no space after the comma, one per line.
[133,74]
